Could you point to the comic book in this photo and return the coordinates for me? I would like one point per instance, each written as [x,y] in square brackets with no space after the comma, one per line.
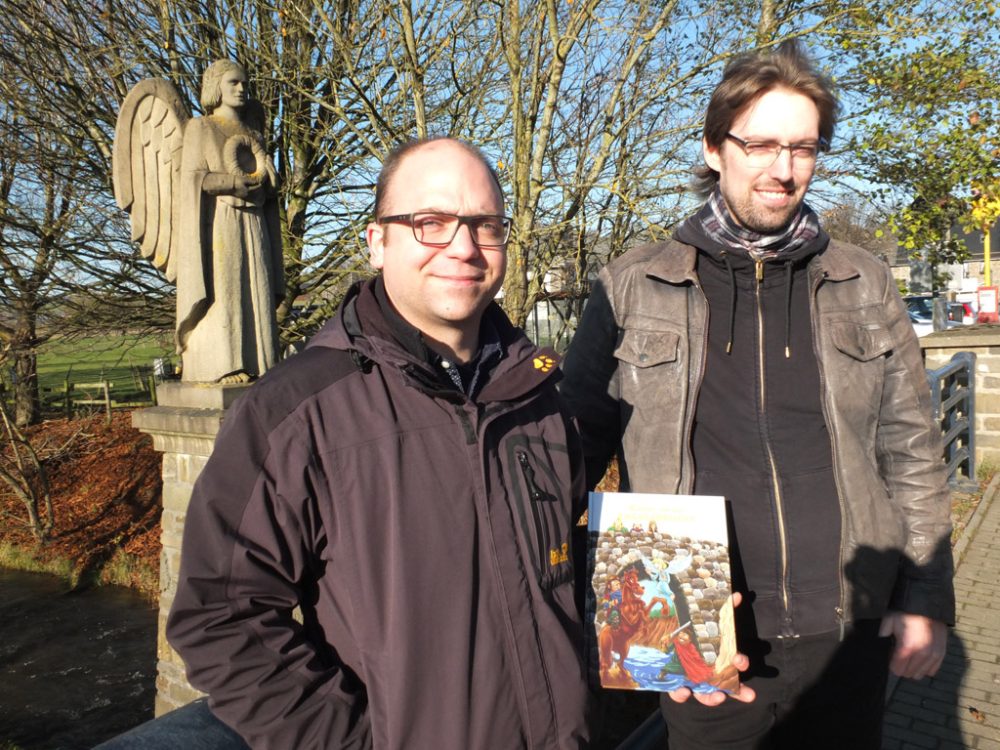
[661,592]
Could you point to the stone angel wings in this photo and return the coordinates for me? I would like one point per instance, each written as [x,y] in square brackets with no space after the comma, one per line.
[149,140]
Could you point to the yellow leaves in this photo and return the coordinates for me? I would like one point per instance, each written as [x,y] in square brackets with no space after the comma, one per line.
[984,208]
[879,234]
[985,212]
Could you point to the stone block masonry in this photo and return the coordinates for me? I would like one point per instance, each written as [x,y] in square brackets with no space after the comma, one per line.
[960,706]
[183,428]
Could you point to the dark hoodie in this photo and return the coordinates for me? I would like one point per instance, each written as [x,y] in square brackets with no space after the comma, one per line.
[760,437]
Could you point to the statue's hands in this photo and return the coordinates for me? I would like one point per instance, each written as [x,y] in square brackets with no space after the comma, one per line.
[742,693]
[243,185]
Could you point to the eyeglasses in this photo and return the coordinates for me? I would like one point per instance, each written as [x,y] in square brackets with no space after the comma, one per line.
[438,229]
[762,154]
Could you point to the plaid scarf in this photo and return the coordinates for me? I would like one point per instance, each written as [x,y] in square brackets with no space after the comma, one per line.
[719,225]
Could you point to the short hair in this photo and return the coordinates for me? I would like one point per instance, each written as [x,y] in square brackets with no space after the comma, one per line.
[211,89]
[402,150]
[751,75]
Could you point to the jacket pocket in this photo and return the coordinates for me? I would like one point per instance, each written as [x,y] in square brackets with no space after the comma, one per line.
[542,512]
[642,348]
[857,375]
[861,341]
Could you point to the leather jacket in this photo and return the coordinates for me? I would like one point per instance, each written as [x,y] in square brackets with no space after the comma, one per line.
[633,375]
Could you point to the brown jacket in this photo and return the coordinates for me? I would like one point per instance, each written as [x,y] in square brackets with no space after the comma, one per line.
[633,375]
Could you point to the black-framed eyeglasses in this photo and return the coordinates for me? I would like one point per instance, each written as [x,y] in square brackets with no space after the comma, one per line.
[762,154]
[438,229]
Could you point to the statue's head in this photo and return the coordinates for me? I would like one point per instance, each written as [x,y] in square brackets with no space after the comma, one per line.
[211,89]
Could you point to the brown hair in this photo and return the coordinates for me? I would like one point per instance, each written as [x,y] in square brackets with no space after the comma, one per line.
[400,152]
[211,91]
[751,75]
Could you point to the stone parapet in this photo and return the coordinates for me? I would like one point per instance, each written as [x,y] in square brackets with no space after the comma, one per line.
[199,395]
[984,342]
[183,426]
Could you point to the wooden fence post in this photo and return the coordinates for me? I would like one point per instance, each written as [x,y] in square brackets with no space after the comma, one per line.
[107,400]
[68,400]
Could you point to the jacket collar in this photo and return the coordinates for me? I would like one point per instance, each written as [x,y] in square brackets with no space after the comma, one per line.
[362,329]
[832,266]
[673,262]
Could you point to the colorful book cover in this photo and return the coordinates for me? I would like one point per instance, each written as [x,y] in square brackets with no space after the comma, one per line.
[661,592]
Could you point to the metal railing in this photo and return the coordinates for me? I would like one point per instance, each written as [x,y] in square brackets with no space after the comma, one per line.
[953,393]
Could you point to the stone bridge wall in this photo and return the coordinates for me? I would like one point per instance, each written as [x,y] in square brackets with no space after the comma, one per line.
[183,426]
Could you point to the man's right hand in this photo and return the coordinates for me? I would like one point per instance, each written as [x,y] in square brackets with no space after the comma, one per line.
[742,693]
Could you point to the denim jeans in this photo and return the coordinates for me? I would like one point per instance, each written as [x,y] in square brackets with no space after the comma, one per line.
[191,727]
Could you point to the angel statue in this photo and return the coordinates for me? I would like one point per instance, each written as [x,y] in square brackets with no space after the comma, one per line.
[201,193]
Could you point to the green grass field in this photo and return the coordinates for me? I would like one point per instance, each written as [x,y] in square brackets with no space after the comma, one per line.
[125,361]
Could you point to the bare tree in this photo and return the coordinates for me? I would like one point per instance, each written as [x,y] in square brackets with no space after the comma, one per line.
[22,472]
[591,110]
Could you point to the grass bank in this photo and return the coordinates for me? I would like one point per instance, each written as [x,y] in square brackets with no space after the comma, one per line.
[123,569]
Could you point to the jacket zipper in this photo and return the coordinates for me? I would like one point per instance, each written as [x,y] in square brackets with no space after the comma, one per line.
[536,496]
[775,484]
[479,436]
[841,610]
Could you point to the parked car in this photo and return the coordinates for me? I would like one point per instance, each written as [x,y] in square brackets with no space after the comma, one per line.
[921,310]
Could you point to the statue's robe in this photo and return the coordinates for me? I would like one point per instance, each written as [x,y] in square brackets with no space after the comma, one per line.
[230,273]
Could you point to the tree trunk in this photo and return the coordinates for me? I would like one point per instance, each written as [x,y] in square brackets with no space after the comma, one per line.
[515,286]
[27,407]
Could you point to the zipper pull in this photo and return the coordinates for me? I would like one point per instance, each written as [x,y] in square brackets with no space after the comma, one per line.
[529,477]
[759,269]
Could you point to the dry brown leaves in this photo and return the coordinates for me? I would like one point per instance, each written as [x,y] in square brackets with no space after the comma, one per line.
[105,484]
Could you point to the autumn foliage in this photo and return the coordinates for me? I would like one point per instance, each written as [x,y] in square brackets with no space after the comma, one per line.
[105,486]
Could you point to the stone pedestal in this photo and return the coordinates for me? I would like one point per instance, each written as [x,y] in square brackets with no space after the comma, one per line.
[183,426]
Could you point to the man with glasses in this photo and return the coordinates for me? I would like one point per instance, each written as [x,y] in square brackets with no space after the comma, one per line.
[378,552]
[753,357]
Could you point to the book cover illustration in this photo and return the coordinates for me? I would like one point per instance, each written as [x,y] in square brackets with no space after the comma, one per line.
[661,592]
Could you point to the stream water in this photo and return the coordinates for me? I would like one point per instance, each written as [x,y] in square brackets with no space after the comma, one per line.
[75,667]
